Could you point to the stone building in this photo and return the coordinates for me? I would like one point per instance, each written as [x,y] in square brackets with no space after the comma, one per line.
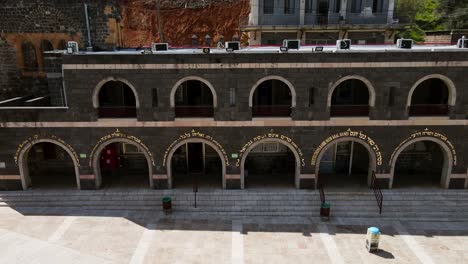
[252,118]
[322,22]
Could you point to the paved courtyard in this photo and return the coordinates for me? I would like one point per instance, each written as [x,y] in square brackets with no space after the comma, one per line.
[45,236]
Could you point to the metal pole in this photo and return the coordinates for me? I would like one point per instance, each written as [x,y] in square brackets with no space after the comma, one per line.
[87,26]
[161,35]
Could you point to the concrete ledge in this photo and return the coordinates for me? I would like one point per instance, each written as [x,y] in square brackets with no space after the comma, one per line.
[88,177]
[307,176]
[232,176]
[160,177]
[10,177]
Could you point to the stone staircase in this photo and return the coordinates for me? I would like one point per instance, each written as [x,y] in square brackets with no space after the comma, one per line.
[433,205]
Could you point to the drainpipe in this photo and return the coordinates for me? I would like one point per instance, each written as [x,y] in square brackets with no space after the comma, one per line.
[90,46]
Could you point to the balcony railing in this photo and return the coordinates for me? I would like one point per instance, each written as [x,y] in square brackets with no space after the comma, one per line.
[349,110]
[271,111]
[194,111]
[279,19]
[429,110]
[351,18]
[117,112]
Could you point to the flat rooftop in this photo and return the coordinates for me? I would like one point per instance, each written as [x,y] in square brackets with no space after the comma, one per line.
[276,49]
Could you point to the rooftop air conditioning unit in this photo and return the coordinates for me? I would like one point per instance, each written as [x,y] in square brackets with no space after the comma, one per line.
[343,44]
[234,45]
[292,44]
[462,43]
[72,47]
[156,47]
[404,43]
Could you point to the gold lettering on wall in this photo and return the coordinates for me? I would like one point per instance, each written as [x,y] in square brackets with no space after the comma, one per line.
[45,138]
[278,137]
[118,134]
[427,133]
[350,134]
[196,135]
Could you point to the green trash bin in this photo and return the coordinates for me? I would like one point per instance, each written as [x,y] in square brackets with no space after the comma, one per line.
[167,204]
[325,210]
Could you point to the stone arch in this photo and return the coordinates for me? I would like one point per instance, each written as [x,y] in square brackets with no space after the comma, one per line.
[372,156]
[23,164]
[297,157]
[273,77]
[98,87]
[96,154]
[446,168]
[194,140]
[452,91]
[369,85]
[192,78]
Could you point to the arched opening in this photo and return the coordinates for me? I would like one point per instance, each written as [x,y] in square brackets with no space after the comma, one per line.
[123,164]
[116,100]
[46,165]
[46,46]
[62,44]
[29,56]
[345,164]
[420,164]
[350,98]
[269,164]
[272,98]
[193,98]
[196,164]
[430,98]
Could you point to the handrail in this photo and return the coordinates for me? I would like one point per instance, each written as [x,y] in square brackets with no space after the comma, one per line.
[377,192]
[322,193]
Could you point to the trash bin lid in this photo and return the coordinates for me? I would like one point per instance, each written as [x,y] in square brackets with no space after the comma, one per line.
[373,230]
[166,199]
[325,205]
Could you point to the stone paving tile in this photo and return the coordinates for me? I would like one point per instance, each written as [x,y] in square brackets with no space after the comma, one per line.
[198,241]
[444,246]
[41,227]
[282,243]
[108,237]
[350,241]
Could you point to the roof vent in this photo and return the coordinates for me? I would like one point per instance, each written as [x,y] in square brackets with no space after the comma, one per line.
[292,44]
[343,44]
[404,43]
[156,47]
[462,43]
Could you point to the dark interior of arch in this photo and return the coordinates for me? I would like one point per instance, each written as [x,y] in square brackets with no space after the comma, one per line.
[432,91]
[193,93]
[351,92]
[196,163]
[345,165]
[269,164]
[46,46]
[50,166]
[123,165]
[272,92]
[419,165]
[116,100]
[29,56]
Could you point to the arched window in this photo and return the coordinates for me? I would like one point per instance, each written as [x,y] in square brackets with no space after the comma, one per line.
[46,46]
[62,44]
[272,98]
[430,98]
[29,56]
[350,98]
[116,100]
[193,98]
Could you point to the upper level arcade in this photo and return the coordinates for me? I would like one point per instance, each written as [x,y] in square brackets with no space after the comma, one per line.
[373,83]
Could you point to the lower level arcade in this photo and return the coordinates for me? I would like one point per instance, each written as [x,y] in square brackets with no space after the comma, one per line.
[345,160]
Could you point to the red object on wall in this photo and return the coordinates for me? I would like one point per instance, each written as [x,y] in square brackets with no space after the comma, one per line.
[109,157]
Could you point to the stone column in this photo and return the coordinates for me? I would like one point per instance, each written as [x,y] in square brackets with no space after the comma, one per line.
[302,12]
[391,8]
[253,16]
[343,8]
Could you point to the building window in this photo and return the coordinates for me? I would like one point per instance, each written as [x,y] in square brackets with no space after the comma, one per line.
[268,6]
[29,56]
[155,97]
[356,6]
[391,96]
[308,6]
[311,96]
[289,6]
[232,96]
